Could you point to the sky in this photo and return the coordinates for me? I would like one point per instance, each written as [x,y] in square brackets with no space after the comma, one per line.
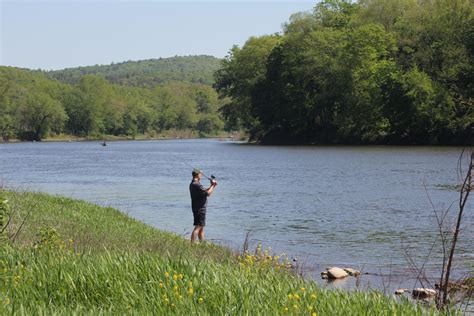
[60,34]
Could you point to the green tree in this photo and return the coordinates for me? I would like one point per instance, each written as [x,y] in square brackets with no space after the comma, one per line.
[209,124]
[39,115]
[335,13]
[6,118]
[239,72]
[368,57]
[86,106]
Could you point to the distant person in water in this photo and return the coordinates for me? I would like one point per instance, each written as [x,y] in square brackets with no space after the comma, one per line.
[199,203]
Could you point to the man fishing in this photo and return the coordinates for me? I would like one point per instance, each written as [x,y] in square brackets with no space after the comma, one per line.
[199,203]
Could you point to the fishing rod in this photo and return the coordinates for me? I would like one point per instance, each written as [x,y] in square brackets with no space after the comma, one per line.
[211,178]
[179,159]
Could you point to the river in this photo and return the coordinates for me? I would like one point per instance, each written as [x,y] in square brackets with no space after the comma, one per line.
[362,207]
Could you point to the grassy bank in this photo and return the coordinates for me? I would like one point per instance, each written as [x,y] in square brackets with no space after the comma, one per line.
[72,256]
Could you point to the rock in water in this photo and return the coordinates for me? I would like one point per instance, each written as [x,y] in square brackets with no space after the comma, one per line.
[422,293]
[352,272]
[401,291]
[336,273]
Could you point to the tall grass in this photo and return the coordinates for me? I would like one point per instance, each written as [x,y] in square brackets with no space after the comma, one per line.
[94,260]
[94,229]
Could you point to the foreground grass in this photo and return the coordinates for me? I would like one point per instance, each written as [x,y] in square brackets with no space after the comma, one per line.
[99,261]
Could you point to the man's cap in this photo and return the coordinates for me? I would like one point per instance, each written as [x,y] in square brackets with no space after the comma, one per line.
[196,171]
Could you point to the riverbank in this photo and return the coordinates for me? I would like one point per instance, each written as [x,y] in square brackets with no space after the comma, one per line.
[71,256]
[170,134]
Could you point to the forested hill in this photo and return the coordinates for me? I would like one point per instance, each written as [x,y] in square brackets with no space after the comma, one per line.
[147,73]
[33,107]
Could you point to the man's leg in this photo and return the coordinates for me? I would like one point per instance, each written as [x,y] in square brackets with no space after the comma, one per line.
[195,233]
[201,234]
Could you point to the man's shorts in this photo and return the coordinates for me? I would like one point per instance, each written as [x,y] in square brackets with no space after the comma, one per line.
[199,217]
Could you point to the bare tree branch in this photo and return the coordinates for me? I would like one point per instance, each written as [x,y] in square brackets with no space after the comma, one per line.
[463,196]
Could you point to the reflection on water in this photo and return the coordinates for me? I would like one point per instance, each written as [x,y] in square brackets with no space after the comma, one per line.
[344,206]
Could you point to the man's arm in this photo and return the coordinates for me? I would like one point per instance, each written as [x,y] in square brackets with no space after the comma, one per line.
[211,188]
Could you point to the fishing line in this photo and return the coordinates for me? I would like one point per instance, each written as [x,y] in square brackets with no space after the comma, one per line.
[180,160]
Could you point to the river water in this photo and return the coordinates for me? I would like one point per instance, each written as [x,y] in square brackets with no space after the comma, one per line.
[362,207]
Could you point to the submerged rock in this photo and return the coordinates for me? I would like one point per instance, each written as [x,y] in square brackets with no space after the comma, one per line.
[422,293]
[352,272]
[401,291]
[336,273]
[339,273]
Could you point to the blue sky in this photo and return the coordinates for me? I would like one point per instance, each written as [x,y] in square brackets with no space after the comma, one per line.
[59,34]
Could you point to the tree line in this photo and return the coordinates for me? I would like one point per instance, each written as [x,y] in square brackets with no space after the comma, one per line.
[371,71]
[33,107]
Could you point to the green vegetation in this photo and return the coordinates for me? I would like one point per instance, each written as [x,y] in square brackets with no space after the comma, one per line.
[74,257]
[33,107]
[370,71]
[147,73]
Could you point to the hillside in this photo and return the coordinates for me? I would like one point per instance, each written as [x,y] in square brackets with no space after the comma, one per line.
[34,106]
[147,73]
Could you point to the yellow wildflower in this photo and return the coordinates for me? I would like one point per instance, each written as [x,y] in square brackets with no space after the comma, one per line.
[180,276]
[313,296]
[200,300]
[295,306]
[167,274]
[303,289]
[161,284]
[175,288]
[175,277]
[190,291]
[290,296]
[314,314]
[285,309]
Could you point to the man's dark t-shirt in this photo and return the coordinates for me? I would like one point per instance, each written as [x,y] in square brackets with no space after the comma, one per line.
[198,196]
